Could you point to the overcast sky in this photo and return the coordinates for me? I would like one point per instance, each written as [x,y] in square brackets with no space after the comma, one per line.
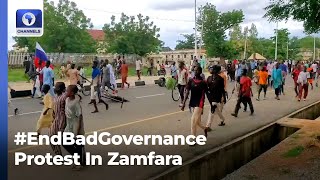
[174,17]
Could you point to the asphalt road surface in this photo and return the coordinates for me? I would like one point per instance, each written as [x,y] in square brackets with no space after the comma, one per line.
[151,111]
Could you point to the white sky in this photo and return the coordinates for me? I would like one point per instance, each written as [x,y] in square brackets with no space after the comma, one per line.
[174,17]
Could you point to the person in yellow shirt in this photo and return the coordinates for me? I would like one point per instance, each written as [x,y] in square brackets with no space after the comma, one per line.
[46,116]
[263,82]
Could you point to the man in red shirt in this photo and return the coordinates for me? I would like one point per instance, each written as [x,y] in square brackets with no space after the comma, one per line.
[245,93]
[295,75]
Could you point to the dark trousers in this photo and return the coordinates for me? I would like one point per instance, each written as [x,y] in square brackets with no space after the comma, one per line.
[244,100]
[181,91]
[303,88]
[270,82]
[138,74]
[277,91]
[79,149]
[264,87]
[296,88]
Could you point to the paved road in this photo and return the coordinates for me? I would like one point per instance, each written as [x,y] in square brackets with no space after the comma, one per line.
[150,111]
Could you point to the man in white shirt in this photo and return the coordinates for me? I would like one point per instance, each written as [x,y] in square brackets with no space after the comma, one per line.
[138,68]
[182,80]
[158,68]
[269,69]
[303,83]
[314,67]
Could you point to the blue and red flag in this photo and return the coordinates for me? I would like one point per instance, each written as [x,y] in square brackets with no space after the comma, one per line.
[40,56]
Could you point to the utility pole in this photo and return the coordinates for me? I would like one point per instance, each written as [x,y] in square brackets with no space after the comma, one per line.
[276,50]
[195,28]
[314,47]
[245,44]
[201,41]
[287,50]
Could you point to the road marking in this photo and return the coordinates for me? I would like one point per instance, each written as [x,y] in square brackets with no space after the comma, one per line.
[153,95]
[13,99]
[109,128]
[34,112]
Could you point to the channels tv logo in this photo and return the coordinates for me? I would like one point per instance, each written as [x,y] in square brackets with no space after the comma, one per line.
[29,23]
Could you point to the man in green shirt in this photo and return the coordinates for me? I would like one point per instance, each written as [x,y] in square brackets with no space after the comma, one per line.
[202,62]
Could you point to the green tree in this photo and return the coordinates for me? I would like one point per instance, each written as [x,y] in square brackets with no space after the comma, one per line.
[308,42]
[299,10]
[266,48]
[283,39]
[65,30]
[294,47]
[215,24]
[187,43]
[237,39]
[132,36]
[253,45]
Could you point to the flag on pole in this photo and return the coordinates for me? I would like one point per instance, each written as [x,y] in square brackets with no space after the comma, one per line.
[40,56]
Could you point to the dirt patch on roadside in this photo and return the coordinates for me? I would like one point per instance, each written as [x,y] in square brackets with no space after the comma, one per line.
[297,157]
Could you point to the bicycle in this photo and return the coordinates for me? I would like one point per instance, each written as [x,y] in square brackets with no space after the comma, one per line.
[83,90]
[175,93]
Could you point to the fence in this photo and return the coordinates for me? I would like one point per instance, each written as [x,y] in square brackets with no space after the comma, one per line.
[16,59]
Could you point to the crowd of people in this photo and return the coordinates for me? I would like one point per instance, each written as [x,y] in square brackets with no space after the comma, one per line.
[245,74]
[62,111]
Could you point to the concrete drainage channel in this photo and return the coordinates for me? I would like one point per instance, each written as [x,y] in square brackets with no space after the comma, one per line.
[223,160]
[217,163]
[311,112]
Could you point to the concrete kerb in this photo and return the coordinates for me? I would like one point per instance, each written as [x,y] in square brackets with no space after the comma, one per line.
[187,170]
[20,86]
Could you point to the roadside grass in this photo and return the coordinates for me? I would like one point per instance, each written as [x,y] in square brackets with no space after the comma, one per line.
[294,152]
[17,74]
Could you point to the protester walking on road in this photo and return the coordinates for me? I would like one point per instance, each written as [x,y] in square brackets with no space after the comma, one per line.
[245,93]
[310,76]
[73,75]
[270,67]
[59,122]
[174,70]
[303,84]
[158,66]
[295,74]
[46,116]
[277,80]
[216,94]
[48,76]
[198,87]
[262,82]
[138,68]
[124,74]
[284,69]
[74,124]
[182,80]
[236,90]
[96,83]
[167,68]
[224,76]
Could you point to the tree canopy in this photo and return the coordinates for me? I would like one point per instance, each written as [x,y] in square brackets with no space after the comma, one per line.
[215,24]
[132,35]
[300,10]
[65,30]
[187,43]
